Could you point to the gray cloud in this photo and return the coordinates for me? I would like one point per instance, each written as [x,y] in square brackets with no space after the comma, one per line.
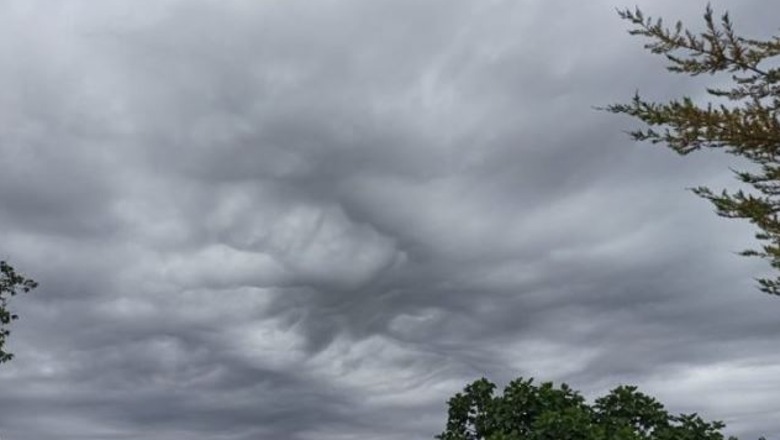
[288,220]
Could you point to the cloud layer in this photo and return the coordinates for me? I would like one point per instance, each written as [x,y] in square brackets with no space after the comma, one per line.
[297,220]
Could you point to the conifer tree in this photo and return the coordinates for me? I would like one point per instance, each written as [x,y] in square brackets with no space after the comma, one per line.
[741,119]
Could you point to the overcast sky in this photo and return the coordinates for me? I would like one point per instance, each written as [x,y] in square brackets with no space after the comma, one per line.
[320,219]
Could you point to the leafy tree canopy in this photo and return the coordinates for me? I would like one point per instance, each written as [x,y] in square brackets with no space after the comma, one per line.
[11,283]
[526,411]
[743,121]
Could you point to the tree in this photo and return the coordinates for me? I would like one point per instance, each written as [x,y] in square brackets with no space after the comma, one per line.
[743,121]
[11,283]
[526,411]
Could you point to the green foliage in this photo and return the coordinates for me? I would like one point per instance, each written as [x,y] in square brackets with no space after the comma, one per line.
[526,411]
[745,123]
[11,283]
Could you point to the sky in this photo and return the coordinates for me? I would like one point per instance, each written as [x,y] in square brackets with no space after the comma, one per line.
[267,219]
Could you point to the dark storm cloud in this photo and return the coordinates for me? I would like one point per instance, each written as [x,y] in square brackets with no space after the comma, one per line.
[315,221]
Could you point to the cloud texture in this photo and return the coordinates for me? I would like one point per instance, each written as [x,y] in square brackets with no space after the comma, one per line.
[319,220]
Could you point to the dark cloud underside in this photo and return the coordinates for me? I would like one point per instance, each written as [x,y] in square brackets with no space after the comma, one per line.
[318,220]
